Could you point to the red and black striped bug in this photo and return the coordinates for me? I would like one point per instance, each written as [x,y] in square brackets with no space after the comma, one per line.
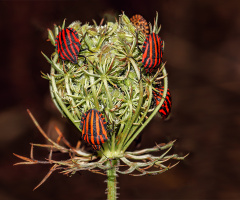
[167,104]
[68,45]
[94,128]
[152,52]
[140,23]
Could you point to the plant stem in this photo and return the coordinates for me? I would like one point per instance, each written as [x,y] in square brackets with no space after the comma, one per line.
[111,180]
[165,80]
[136,68]
[127,134]
[108,93]
[93,88]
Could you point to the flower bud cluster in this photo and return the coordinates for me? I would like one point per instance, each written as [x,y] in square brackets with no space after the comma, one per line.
[109,77]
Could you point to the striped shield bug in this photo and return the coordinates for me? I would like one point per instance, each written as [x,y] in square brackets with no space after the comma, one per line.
[140,23]
[94,128]
[152,52]
[167,104]
[68,45]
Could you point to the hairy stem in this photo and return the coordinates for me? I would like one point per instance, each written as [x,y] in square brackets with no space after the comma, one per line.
[111,180]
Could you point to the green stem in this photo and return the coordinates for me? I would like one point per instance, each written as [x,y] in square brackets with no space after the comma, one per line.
[128,127]
[107,92]
[127,142]
[93,88]
[165,80]
[136,68]
[74,108]
[113,142]
[111,180]
[53,63]
[126,130]
[136,114]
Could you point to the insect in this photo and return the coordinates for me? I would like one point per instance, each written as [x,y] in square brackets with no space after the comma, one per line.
[167,104]
[140,23]
[94,128]
[68,45]
[152,52]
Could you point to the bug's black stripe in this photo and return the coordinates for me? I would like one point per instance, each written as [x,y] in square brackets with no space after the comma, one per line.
[62,52]
[88,126]
[67,56]
[94,128]
[68,43]
[92,133]
[151,48]
[145,63]
[158,53]
[158,98]
[76,43]
[100,127]
[73,30]
[148,64]
[169,103]
[60,49]
[148,46]
[151,52]
[98,120]
[91,125]
[163,113]
[161,48]
[147,58]
[166,106]
[103,127]
[74,37]
[84,135]
[57,45]
[154,49]
[96,147]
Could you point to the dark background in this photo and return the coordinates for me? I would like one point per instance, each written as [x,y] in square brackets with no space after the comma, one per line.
[202,49]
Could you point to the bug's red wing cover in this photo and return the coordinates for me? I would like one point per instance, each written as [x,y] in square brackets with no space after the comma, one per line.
[68,45]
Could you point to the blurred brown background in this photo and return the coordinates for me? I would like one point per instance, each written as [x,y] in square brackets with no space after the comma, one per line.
[202,48]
